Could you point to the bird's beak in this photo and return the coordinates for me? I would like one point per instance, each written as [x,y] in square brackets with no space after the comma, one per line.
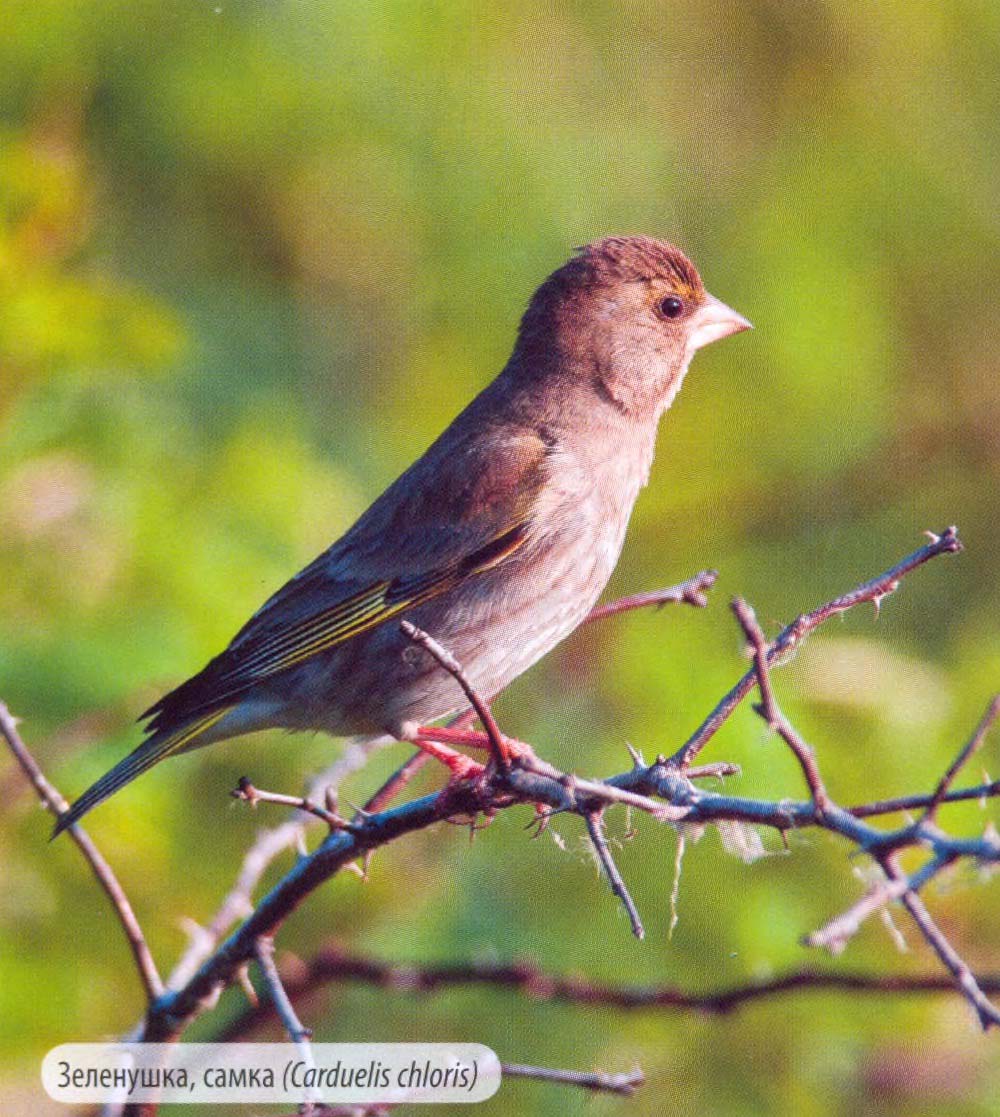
[714,320]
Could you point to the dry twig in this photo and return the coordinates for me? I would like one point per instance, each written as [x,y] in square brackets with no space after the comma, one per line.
[875,590]
[624,1084]
[47,793]
[595,827]
[334,965]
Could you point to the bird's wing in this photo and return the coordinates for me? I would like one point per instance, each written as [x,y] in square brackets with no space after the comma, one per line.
[441,523]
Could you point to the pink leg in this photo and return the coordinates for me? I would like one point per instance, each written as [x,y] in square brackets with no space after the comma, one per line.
[470,738]
[461,767]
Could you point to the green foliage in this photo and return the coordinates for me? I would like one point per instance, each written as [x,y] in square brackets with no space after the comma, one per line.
[253,256]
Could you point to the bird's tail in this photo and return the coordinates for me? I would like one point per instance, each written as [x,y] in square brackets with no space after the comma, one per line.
[150,752]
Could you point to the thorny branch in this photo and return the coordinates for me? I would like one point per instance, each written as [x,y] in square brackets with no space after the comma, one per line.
[334,965]
[768,708]
[595,827]
[790,637]
[663,789]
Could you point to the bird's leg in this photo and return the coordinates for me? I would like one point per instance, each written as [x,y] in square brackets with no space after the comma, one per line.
[424,737]
[471,738]
[462,767]
[437,741]
[402,776]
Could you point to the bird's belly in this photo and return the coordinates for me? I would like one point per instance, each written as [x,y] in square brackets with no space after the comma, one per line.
[527,625]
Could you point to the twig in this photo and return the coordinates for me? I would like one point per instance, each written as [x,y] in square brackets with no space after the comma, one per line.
[792,635]
[48,794]
[691,592]
[297,1032]
[965,755]
[770,711]
[595,827]
[584,795]
[835,934]
[623,1084]
[334,965]
[718,770]
[246,792]
[965,980]
[915,802]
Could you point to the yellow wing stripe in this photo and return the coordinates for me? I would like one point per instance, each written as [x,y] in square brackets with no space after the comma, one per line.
[372,617]
[178,743]
[325,638]
[329,641]
[344,614]
[337,614]
[360,613]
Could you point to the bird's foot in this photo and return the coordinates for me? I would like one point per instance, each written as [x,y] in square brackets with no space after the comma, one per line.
[462,767]
[472,738]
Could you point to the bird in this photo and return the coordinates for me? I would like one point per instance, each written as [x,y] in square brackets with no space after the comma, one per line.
[497,541]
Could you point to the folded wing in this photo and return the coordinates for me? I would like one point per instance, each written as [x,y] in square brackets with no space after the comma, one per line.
[419,540]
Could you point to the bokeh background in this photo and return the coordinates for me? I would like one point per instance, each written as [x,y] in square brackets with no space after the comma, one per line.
[253,256]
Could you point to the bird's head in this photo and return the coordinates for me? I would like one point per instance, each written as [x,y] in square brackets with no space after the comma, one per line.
[624,317]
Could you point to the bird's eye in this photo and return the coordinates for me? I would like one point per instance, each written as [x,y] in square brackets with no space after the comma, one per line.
[671,307]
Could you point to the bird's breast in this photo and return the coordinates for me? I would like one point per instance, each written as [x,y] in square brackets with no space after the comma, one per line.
[527,607]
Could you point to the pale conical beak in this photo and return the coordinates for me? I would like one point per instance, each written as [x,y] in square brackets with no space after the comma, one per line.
[714,320]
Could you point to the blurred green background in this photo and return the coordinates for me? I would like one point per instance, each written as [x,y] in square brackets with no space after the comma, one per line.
[253,256]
